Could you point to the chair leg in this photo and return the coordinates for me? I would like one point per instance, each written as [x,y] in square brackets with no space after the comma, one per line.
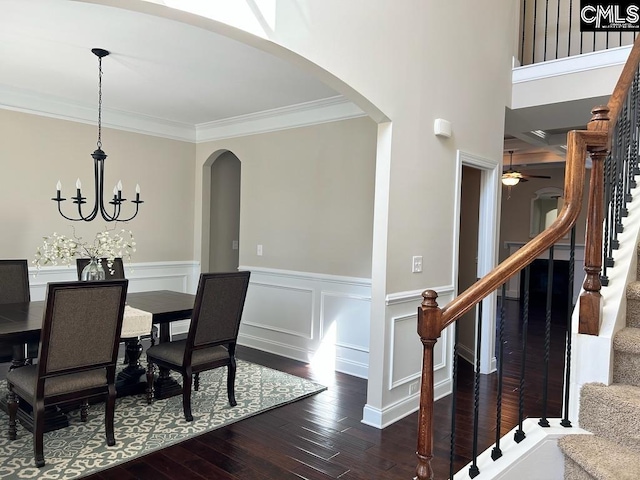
[186,396]
[38,433]
[231,381]
[196,382]
[84,409]
[149,382]
[109,415]
[12,406]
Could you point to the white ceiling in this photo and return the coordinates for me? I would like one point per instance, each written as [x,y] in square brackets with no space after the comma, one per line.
[169,78]
[158,71]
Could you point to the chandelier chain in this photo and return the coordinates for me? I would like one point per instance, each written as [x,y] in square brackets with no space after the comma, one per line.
[99,143]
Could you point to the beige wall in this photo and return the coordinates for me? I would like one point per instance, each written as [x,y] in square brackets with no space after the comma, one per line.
[37,151]
[306,196]
[516,211]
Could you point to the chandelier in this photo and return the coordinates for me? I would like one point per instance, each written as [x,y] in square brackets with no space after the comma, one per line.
[98,172]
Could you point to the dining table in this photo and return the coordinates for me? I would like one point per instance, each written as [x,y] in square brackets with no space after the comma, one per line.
[22,322]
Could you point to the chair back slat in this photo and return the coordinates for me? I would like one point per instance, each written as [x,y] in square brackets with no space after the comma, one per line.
[117,267]
[14,281]
[81,326]
[218,308]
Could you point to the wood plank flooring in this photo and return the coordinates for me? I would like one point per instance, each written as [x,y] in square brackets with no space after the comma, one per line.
[322,437]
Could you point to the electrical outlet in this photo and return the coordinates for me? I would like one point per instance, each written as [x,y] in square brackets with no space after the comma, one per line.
[234,245]
[416,267]
[259,250]
[413,388]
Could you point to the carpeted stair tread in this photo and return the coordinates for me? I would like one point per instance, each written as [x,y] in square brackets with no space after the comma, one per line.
[612,412]
[602,459]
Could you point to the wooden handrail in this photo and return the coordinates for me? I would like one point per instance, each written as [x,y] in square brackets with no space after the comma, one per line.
[577,142]
[624,83]
[595,141]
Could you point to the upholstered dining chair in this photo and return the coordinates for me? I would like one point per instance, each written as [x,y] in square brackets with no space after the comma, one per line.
[77,359]
[211,340]
[14,288]
[117,267]
[131,332]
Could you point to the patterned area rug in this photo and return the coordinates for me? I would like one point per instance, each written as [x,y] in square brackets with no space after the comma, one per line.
[81,448]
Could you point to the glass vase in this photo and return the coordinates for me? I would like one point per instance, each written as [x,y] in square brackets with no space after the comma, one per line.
[93,270]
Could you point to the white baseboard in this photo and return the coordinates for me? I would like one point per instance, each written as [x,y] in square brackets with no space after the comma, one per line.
[381,418]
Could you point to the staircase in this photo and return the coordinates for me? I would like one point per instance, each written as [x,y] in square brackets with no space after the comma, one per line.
[611,413]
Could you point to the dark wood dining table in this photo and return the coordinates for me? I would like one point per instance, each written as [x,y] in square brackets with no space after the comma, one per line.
[22,322]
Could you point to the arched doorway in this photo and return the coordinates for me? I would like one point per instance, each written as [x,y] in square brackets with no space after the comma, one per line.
[224,213]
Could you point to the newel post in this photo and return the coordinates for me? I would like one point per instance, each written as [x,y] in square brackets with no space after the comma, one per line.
[591,299]
[429,328]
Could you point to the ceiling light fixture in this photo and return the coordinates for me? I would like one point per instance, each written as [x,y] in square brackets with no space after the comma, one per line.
[98,172]
[510,181]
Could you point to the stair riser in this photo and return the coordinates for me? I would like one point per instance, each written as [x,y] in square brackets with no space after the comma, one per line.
[633,312]
[626,368]
[573,471]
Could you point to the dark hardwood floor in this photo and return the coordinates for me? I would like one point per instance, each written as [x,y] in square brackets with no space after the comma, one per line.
[322,437]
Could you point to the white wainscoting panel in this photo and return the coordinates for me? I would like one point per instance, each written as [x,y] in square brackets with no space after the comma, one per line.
[404,367]
[309,317]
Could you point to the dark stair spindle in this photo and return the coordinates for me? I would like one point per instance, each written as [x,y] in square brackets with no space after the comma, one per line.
[496,453]
[520,435]
[454,395]
[565,422]
[547,341]
[474,471]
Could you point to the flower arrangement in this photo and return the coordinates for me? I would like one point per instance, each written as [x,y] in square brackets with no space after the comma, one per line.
[108,244]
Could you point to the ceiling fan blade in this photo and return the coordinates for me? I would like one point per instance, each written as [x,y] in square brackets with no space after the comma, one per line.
[526,175]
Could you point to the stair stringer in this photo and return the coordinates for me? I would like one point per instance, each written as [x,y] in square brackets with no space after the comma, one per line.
[592,356]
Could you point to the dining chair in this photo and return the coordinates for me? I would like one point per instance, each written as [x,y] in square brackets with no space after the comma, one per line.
[131,332]
[77,359]
[211,340]
[117,267]
[14,288]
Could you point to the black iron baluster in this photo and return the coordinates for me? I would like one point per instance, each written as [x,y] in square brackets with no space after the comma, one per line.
[452,448]
[565,422]
[520,435]
[557,28]
[524,27]
[547,341]
[615,153]
[535,27]
[474,471]
[570,21]
[496,453]
[619,176]
[607,251]
[546,30]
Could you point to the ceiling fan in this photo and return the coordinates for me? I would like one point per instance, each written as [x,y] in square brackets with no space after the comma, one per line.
[512,177]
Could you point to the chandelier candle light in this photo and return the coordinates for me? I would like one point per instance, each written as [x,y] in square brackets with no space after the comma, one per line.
[98,171]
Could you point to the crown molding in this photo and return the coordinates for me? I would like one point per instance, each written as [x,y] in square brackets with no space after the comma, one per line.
[49,106]
[304,114]
[300,115]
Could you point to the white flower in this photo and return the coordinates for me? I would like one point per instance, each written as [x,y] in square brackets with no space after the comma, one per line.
[107,244]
